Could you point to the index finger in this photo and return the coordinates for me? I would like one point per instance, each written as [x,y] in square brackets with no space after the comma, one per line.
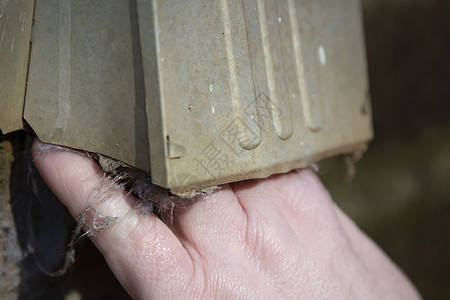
[141,250]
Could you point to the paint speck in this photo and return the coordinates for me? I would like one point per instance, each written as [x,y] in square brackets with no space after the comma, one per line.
[252,117]
[280,19]
[321,54]
[213,109]
[211,87]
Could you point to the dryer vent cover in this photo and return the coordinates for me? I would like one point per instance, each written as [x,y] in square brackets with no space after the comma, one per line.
[198,93]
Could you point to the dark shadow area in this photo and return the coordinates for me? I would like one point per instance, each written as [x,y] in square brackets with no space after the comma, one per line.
[41,223]
[140,127]
[44,227]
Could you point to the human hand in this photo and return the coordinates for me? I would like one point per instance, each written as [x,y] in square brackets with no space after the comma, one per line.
[276,238]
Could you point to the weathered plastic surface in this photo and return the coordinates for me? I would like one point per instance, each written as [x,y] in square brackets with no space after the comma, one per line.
[81,84]
[247,88]
[200,92]
[15,30]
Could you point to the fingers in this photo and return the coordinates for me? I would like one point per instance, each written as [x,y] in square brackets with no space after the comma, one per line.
[143,253]
[298,196]
[209,221]
[273,210]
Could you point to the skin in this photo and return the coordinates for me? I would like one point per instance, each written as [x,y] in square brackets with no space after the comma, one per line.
[276,238]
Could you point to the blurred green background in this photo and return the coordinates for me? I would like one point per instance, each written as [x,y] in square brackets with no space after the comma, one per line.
[400,194]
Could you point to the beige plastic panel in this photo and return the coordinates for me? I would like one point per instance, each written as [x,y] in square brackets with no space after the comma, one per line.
[200,92]
[250,88]
[15,28]
[82,88]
